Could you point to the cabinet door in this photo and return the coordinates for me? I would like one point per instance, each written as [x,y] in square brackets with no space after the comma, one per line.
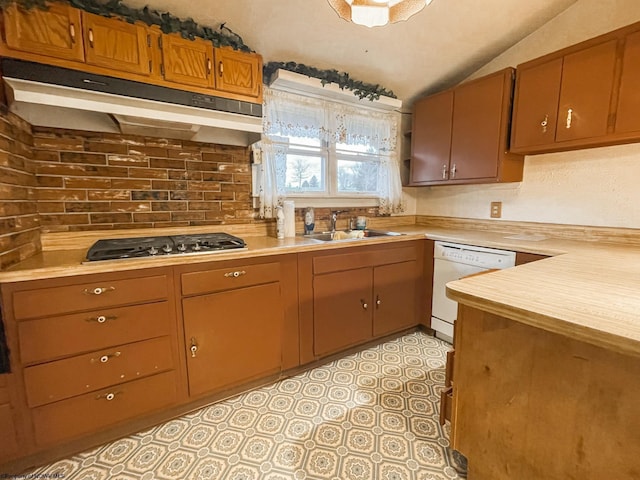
[188,62]
[535,110]
[394,295]
[476,130]
[627,118]
[431,138]
[238,72]
[237,336]
[115,44]
[342,309]
[585,95]
[54,32]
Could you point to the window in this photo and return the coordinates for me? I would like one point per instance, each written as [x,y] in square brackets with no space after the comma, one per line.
[316,149]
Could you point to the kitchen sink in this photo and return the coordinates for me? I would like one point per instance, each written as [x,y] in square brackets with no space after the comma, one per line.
[350,235]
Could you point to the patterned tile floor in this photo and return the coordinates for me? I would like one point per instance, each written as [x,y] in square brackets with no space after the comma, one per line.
[372,415]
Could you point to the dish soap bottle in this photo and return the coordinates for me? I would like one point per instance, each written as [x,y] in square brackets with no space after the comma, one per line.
[309,221]
[279,223]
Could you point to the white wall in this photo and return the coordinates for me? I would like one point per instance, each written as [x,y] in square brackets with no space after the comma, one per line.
[598,186]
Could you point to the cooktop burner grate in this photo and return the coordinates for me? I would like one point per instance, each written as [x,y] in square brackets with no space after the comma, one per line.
[140,247]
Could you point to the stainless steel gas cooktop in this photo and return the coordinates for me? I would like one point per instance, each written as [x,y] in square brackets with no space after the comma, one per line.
[140,247]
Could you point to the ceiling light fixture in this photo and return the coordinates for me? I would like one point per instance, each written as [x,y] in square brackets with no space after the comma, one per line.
[375,13]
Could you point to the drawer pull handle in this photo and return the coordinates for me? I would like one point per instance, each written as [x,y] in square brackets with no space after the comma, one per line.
[194,347]
[453,171]
[91,37]
[569,117]
[444,172]
[220,68]
[98,290]
[106,358]
[235,274]
[208,66]
[72,32]
[101,318]
[108,396]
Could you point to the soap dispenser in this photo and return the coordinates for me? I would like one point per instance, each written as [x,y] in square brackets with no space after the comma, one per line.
[309,221]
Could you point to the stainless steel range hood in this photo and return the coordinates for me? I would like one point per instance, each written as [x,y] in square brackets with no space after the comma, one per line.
[61,98]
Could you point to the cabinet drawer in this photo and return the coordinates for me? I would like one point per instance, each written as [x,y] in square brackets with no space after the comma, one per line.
[67,378]
[87,296]
[229,278]
[350,261]
[55,337]
[93,411]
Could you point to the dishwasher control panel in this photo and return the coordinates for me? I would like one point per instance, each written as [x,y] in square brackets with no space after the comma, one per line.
[472,255]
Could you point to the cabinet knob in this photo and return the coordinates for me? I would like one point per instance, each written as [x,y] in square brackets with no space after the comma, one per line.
[101,318]
[106,358]
[569,117]
[108,396]
[365,305]
[208,66]
[194,347]
[544,123]
[444,172]
[378,301]
[98,290]
[235,274]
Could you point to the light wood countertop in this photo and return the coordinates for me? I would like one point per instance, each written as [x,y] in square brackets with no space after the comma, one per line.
[65,262]
[588,291]
[591,294]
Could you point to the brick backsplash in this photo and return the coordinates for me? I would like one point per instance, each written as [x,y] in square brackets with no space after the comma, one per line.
[19,221]
[54,180]
[89,181]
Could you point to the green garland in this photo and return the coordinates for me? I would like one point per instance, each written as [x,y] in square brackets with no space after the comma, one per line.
[223,37]
[342,79]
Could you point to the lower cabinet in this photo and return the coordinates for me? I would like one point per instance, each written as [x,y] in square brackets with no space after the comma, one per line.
[341,309]
[240,321]
[87,354]
[357,295]
[94,357]
[232,336]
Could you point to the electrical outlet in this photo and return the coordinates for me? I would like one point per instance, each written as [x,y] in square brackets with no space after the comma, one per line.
[496,209]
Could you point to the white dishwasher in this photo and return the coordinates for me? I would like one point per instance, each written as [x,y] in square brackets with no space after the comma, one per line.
[452,261]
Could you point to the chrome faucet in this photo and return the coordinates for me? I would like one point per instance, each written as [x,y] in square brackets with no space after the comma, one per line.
[334,219]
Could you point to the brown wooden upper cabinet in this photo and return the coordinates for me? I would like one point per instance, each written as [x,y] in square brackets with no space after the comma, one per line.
[55,32]
[564,99]
[627,118]
[431,144]
[586,95]
[116,44]
[189,62]
[71,38]
[460,135]
[238,72]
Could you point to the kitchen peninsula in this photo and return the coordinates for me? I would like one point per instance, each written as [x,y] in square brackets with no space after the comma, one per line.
[547,367]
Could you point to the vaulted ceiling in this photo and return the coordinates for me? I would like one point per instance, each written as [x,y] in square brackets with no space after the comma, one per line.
[440,46]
